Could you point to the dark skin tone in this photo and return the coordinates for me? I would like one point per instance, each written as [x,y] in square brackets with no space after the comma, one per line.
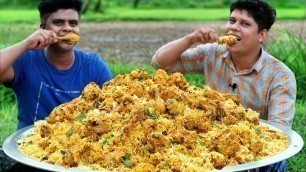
[59,53]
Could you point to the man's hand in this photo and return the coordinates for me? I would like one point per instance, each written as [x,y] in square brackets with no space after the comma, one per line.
[203,35]
[40,39]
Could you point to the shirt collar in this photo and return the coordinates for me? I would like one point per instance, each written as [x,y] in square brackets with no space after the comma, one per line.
[260,62]
[256,67]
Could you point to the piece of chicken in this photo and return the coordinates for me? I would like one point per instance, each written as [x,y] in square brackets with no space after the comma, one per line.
[70,37]
[230,39]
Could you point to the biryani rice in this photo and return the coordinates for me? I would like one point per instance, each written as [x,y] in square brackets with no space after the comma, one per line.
[159,123]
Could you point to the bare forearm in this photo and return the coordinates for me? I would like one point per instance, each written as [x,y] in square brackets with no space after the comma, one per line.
[9,55]
[169,53]
[38,40]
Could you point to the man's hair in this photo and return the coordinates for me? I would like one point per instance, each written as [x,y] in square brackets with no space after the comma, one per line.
[46,7]
[263,14]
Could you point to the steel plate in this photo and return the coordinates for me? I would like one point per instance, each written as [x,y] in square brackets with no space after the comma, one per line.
[295,145]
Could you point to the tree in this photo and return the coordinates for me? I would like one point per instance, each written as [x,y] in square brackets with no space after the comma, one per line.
[98,6]
[135,3]
[95,5]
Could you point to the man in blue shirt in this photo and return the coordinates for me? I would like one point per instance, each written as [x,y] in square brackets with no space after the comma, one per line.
[44,71]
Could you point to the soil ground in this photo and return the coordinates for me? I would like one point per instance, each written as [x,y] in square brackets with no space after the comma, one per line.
[138,41]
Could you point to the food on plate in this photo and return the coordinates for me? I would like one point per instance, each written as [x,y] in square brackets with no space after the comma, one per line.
[230,39]
[70,37]
[138,122]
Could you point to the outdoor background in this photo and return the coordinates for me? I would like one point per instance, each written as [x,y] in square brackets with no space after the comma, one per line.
[126,34]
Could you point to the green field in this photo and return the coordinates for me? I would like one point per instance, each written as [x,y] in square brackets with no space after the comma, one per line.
[129,14]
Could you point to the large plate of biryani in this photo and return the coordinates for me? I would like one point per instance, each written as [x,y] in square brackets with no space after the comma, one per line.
[137,122]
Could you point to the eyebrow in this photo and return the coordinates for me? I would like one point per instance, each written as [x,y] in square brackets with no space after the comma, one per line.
[243,20]
[73,20]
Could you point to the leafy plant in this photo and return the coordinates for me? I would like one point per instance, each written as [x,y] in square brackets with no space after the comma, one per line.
[8,113]
[291,49]
[297,162]
[6,95]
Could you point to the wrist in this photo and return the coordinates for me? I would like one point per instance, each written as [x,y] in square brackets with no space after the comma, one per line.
[24,45]
[190,40]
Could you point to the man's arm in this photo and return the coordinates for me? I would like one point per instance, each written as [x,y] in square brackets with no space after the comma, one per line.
[38,40]
[169,53]
[282,100]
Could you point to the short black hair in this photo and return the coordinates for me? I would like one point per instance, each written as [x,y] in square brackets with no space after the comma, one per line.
[263,14]
[46,7]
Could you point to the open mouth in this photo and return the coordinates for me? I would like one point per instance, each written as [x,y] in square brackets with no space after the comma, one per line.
[70,38]
[238,38]
[67,41]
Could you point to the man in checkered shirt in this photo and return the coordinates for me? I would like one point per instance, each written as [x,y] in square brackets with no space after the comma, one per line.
[264,83]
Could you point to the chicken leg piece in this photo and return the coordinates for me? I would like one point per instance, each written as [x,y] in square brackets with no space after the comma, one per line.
[70,37]
[230,39]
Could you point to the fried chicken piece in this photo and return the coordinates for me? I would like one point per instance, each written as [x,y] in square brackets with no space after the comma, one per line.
[227,144]
[160,106]
[160,77]
[230,39]
[157,142]
[178,80]
[149,126]
[43,127]
[186,138]
[70,37]
[156,158]
[218,160]
[144,167]
[137,114]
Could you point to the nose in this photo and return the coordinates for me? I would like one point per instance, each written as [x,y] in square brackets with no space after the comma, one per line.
[67,27]
[234,26]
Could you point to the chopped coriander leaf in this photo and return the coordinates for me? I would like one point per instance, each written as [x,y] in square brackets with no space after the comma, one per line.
[80,117]
[126,160]
[70,133]
[170,100]
[104,142]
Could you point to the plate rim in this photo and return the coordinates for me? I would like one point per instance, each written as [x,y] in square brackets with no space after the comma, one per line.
[10,149]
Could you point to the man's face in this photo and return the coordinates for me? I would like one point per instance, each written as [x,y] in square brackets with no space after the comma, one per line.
[242,25]
[62,22]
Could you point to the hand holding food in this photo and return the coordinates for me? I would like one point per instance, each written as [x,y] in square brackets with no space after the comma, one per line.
[70,37]
[203,35]
[40,39]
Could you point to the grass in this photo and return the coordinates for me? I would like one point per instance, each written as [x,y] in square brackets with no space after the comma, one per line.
[297,162]
[291,49]
[20,32]
[8,116]
[129,14]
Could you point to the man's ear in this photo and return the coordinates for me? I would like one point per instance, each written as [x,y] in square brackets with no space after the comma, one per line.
[42,26]
[262,35]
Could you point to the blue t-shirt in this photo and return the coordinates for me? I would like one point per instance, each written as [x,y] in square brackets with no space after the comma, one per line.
[39,86]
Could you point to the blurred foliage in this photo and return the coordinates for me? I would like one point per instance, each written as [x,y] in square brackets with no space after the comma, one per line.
[6,95]
[157,3]
[297,162]
[31,16]
[8,116]
[291,49]
[23,4]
